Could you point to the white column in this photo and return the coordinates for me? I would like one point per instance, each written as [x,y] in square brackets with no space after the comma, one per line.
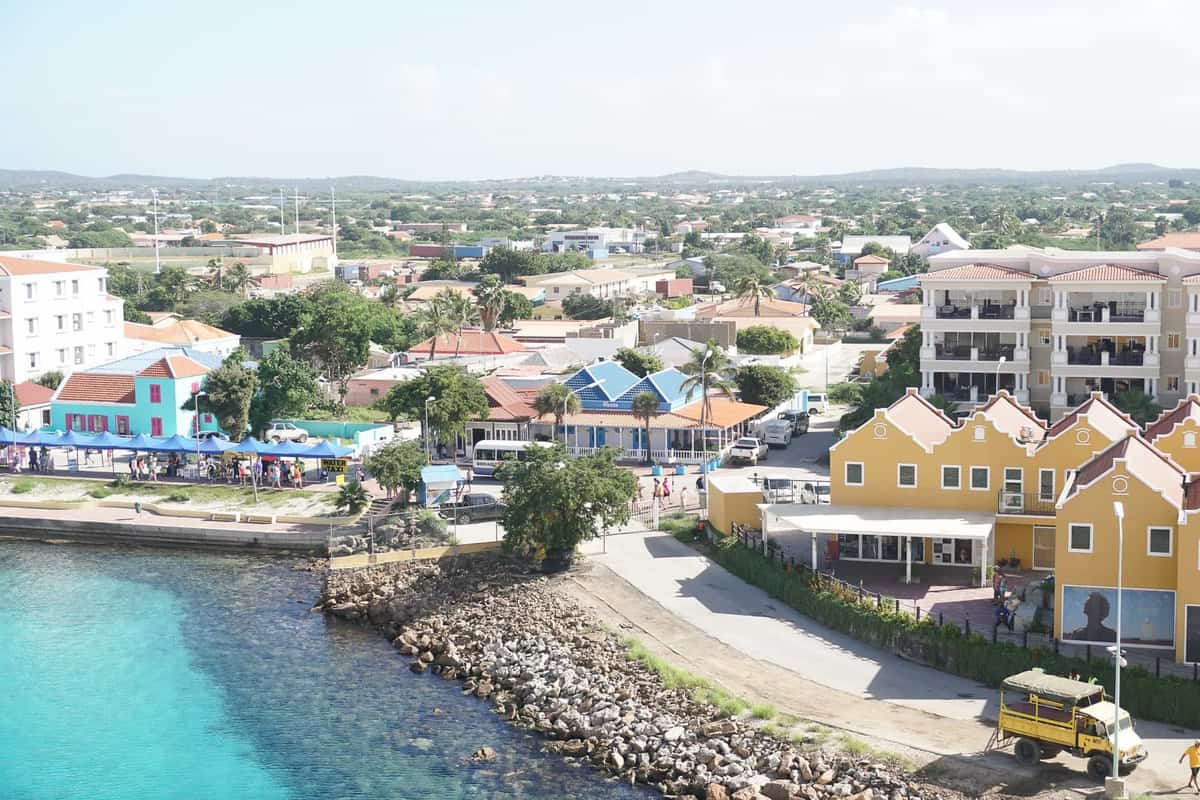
[766,517]
[983,562]
[814,550]
[908,559]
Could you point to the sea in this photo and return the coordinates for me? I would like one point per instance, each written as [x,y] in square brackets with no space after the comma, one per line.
[140,674]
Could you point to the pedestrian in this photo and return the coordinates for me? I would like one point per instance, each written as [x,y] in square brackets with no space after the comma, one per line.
[682,496]
[638,496]
[152,466]
[33,459]
[133,467]
[666,492]
[657,493]
[1192,754]
[44,460]
[360,474]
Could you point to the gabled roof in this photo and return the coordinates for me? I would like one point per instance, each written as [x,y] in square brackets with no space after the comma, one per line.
[871,259]
[1107,272]
[183,332]
[12,265]
[1188,407]
[920,419]
[612,380]
[979,272]
[32,394]
[88,387]
[174,367]
[1142,459]
[744,307]
[470,343]
[135,364]
[504,404]
[1013,418]
[722,413]
[1106,418]
[1186,240]
[943,229]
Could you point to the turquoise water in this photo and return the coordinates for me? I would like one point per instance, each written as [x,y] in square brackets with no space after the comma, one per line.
[130,674]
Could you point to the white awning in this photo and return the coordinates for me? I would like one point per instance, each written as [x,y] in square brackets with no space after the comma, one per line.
[878,520]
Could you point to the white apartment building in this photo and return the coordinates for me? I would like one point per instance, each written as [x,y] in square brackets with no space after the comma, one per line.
[56,317]
[627,240]
[1053,325]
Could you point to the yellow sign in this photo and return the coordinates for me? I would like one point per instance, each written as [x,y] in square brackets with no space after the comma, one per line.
[339,480]
[335,464]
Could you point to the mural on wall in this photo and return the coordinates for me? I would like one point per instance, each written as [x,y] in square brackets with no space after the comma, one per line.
[1089,615]
[1191,635]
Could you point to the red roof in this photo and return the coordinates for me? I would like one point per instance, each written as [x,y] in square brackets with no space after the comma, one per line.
[1187,407]
[1107,272]
[470,343]
[90,387]
[871,259]
[978,272]
[32,394]
[1187,240]
[10,265]
[504,404]
[174,367]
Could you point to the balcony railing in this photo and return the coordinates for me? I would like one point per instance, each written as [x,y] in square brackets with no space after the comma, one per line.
[1024,503]
[986,311]
[965,352]
[1133,357]
[1107,312]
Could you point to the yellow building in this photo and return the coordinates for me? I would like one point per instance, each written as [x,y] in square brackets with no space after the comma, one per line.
[1047,494]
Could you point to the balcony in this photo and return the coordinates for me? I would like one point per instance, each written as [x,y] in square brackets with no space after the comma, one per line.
[1024,503]
[1130,357]
[1106,312]
[986,311]
[990,353]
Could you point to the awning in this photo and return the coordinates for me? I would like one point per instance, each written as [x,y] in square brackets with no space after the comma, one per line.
[879,520]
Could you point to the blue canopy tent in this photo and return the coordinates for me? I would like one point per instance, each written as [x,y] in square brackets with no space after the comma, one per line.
[142,442]
[8,436]
[107,441]
[327,450]
[48,438]
[178,444]
[286,449]
[212,446]
[250,445]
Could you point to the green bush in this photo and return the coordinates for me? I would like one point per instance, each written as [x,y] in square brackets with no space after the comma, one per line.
[1171,699]
[681,526]
[100,492]
[845,394]
[764,340]
[179,497]
[23,486]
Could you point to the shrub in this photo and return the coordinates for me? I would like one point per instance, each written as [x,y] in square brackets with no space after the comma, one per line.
[100,492]
[179,497]
[849,394]
[353,497]
[120,482]
[23,486]
[763,340]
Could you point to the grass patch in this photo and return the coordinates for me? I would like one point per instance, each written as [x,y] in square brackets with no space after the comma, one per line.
[680,525]
[859,748]
[179,497]
[23,486]
[701,689]
[100,492]
[763,711]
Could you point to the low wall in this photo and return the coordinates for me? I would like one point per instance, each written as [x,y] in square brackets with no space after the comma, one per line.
[312,542]
[404,556]
[333,428]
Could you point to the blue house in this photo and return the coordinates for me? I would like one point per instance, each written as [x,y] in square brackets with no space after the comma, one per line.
[138,394]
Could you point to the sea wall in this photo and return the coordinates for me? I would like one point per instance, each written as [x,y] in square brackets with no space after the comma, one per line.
[163,535]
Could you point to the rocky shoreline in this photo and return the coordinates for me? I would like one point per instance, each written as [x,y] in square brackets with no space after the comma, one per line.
[545,663]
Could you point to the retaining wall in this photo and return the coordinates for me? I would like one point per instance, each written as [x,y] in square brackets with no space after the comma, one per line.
[211,537]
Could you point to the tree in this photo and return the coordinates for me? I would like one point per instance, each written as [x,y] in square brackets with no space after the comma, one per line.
[207,306]
[516,306]
[8,405]
[353,497]
[335,333]
[763,385]
[754,288]
[458,398]
[904,360]
[584,306]
[490,295]
[557,400]
[397,465]
[51,380]
[239,280]
[554,502]
[1138,405]
[910,264]
[684,271]
[287,387]
[707,370]
[230,388]
[828,309]
[99,239]
[567,261]
[507,264]
[758,248]
[645,407]
[435,320]
[850,293]
[639,362]
[766,341]
[460,313]
[730,269]
[1119,228]
[267,318]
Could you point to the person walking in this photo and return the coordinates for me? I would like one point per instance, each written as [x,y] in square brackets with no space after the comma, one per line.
[1192,754]
[33,459]
[657,493]
[666,493]
[45,463]
[682,496]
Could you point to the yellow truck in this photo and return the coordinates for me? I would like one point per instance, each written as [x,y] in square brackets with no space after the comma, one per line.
[1049,714]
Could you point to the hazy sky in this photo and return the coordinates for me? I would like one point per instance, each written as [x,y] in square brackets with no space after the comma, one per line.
[457,89]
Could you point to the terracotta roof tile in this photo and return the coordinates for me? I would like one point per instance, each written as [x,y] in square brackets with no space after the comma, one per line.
[1142,459]
[1187,240]
[184,332]
[1103,415]
[93,388]
[174,367]
[921,419]
[11,265]
[1107,272]
[32,394]
[1187,407]
[978,272]
[504,404]
[722,413]
[1013,418]
[473,343]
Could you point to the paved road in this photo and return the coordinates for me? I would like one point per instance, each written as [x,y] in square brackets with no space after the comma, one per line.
[706,596]
[841,359]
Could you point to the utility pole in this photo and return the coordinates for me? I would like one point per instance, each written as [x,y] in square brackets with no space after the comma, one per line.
[282,217]
[333,207]
[297,209]
[157,265]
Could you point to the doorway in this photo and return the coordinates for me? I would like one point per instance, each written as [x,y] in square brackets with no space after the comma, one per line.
[1043,547]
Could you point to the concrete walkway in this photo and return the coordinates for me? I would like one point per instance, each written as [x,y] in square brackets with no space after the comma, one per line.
[699,593]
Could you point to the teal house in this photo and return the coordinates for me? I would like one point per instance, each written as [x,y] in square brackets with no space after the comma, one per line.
[138,394]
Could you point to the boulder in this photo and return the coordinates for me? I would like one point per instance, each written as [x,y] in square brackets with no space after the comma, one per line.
[483,754]
[779,790]
[716,791]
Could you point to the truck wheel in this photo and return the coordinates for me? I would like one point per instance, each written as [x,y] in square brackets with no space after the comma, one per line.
[1027,751]
[1048,751]
[1099,767]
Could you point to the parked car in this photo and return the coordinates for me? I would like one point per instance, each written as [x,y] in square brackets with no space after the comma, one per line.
[748,450]
[815,493]
[717,288]
[818,403]
[778,490]
[213,435]
[799,420]
[284,432]
[472,508]
[777,433]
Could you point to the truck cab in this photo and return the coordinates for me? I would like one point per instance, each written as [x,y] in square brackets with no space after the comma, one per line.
[748,450]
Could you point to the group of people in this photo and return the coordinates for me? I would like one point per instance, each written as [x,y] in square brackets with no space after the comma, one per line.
[275,473]
[662,492]
[39,460]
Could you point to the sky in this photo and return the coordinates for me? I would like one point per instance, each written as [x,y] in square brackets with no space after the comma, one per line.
[458,89]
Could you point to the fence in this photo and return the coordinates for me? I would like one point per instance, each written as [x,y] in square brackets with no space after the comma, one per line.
[989,628]
[650,510]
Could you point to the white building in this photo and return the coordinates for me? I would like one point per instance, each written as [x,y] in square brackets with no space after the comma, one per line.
[55,317]
[608,240]
[940,239]
[170,331]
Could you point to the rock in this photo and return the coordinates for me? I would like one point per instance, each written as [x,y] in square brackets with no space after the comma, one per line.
[826,777]
[779,790]
[574,747]
[745,793]
[483,754]
[806,773]
[673,734]
[617,760]
[721,727]
[417,666]
[483,689]
[716,791]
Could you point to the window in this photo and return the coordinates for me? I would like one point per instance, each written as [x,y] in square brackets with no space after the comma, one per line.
[75,288]
[1172,383]
[1046,484]
[91,351]
[91,318]
[854,473]
[155,393]
[1045,297]
[1158,542]
[951,476]
[62,355]
[45,417]
[1189,439]
[108,317]
[123,426]
[31,326]
[33,360]
[1174,298]
[156,428]
[1079,539]
[110,348]
[980,433]
[906,476]
[1043,377]
[195,387]
[79,354]
[60,322]
[60,288]
[980,478]
[103,282]
[30,291]
[1044,336]
[1173,341]
[77,322]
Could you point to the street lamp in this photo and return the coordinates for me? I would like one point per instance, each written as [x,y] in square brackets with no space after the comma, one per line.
[425,430]
[199,394]
[704,431]
[1116,787]
[999,364]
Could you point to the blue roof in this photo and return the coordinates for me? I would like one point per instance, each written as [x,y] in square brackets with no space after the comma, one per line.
[441,473]
[134,364]
[613,381]
[669,383]
[898,284]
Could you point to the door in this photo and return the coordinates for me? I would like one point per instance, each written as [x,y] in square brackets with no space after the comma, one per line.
[1043,547]
[943,551]
[1014,486]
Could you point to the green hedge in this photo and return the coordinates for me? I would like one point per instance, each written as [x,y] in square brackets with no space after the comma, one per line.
[1171,699]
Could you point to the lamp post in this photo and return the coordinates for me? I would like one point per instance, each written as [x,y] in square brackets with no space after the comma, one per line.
[999,364]
[425,430]
[1115,787]
[199,394]
[704,461]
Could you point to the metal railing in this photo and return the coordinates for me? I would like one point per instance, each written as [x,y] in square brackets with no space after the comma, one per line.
[1024,503]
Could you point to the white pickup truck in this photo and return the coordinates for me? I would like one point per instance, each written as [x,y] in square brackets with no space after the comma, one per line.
[748,450]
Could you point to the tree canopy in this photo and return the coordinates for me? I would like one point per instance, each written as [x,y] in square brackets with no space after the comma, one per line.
[230,389]
[763,385]
[639,362]
[397,465]
[287,387]
[585,306]
[765,340]
[458,398]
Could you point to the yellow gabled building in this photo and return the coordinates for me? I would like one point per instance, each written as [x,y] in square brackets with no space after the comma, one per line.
[1177,433]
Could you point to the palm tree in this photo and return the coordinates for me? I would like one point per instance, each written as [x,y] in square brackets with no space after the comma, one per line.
[754,288]
[556,400]
[491,297]
[390,295]
[239,280]
[645,407]
[460,312]
[434,320]
[707,369]
[215,276]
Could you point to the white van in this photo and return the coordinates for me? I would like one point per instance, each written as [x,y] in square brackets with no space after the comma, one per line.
[777,433]
[818,403]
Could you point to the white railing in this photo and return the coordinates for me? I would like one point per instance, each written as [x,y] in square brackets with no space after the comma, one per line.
[668,456]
